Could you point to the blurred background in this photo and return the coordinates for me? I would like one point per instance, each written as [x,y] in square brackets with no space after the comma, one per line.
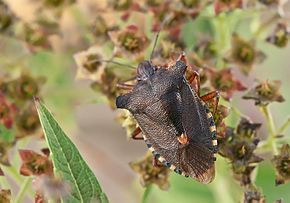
[91,123]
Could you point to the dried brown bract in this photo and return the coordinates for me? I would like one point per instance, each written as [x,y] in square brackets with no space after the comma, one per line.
[280,36]
[90,64]
[252,195]
[5,196]
[227,5]
[27,121]
[150,174]
[35,164]
[244,54]
[238,146]
[282,165]
[6,17]
[225,82]
[132,40]
[265,92]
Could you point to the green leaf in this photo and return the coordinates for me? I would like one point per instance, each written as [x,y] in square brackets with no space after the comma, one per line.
[6,135]
[68,162]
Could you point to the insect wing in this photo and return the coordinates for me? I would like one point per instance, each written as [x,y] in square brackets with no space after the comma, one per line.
[198,156]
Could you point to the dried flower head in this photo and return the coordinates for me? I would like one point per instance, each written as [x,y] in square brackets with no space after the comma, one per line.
[167,50]
[238,146]
[35,164]
[132,40]
[206,49]
[100,27]
[4,152]
[128,122]
[35,37]
[38,197]
[150,174]
[189,8]
[6,17]
[107,85]
[265,92]
[22,88]
[225,82]
[282,165]
[252,195]
[226,5]
[5,196]
[244,54]
[7,112]
[221,113]
[280,36]
[90,63]
[27,121]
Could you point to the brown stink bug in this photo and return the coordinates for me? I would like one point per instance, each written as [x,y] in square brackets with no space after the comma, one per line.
[175,121]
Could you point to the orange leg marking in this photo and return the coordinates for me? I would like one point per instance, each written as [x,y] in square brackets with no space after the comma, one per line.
[183,139]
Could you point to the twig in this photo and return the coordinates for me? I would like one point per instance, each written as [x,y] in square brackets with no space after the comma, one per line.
[271,127]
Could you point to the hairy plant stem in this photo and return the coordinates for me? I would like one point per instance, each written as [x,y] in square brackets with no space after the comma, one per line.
[271,127]
[146,194]
[24,187]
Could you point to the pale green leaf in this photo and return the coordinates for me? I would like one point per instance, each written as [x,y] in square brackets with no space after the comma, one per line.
[6,135]
[68,162]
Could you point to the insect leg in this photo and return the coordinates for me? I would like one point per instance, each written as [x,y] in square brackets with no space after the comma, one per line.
[212,95]
[135,133]
[155,162]
[125,86]
[182,58]
[194,81]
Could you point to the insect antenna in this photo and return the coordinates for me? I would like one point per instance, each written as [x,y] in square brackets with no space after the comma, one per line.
[113,62]
[166,19]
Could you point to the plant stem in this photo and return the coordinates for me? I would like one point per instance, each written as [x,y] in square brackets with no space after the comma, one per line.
[284,127]
[222,33]
[271,127]
[221,183]
[265,25]
[13,174]
[146,194]
[22,191]
[4,182]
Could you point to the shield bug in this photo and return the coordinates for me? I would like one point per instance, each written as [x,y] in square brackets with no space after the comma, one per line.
[175,121]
